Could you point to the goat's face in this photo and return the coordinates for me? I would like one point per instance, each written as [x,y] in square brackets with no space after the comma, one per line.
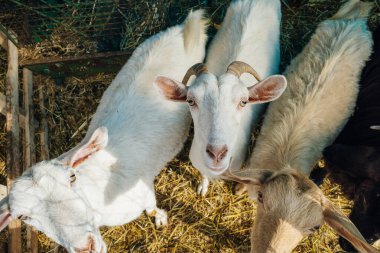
[290,206]
[216,105]
[50,197]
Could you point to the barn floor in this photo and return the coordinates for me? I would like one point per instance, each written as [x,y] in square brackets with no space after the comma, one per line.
[219,222]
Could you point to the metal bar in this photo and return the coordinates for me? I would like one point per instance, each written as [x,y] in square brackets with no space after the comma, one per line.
[13,139]
[29,147]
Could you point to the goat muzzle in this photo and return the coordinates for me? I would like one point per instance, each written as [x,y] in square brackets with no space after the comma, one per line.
[238,68]
[196,70]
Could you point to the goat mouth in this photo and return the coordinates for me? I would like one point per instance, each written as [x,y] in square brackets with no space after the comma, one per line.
[218,168]
[221,169]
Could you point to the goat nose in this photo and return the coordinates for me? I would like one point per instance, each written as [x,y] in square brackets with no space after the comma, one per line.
[216,153]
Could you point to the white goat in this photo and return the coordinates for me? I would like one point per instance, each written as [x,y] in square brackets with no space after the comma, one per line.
[108,178]
[222,126]
[322,90]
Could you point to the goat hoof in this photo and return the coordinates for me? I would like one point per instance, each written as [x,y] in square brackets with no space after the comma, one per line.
[203,187]
[161,218]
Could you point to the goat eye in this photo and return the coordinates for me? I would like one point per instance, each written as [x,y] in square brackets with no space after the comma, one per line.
[260,197]
[243,103]
[191,102]
[72,178]
[23,217]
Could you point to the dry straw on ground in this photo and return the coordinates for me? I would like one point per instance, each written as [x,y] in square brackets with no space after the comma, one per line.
[219,222]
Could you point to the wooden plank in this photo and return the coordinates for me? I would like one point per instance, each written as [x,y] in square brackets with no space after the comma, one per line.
[10,35]
[3,191]
[70,59]
[21,117]
[3,41]
[13,138]
[3,110]
[29,147]
[44,140]
[3,104]
[78,66]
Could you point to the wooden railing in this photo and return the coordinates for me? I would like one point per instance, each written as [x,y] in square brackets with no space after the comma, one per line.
[17,118]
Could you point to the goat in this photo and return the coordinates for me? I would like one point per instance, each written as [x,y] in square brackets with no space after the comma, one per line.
[107,179]
[354,157]
[217,99]
[321,94]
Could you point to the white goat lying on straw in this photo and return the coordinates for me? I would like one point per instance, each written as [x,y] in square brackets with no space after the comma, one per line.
[224,106]
[321,94]
[107,179]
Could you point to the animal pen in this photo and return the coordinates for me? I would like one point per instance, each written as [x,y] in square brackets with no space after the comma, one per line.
[59,56]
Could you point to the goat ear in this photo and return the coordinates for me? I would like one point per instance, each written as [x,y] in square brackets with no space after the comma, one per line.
[5,214]
[267,90]
[98,141]
[171,89]
[344,227]
[247,176]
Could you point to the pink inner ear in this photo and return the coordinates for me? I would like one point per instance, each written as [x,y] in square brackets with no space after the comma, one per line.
[267,90]
[98,140]
[171,89]
[82,154]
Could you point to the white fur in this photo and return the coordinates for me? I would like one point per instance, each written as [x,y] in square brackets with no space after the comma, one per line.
[249,33]
[115,184]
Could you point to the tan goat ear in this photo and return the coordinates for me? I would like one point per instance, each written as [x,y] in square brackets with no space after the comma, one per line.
[344,227]
[267,90]
[5,214]
[247,176]
[98,141]
[171,89]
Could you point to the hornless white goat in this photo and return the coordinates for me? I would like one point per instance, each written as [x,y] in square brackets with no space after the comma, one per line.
[321,94]
[107,179]
[217,100]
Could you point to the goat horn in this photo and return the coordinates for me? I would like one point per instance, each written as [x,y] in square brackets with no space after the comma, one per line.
[237,68]
[375,127]
[196,70]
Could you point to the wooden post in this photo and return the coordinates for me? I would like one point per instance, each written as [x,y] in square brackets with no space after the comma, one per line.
[13,138]
[3,41]
[29,147]
[44,138]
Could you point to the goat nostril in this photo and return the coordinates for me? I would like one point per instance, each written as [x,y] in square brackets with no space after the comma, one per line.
[210,151]
[223,152]
[216,153]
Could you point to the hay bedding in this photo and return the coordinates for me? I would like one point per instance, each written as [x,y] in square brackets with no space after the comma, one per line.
[221,221]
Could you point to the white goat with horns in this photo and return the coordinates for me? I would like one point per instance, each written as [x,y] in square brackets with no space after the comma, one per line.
[322,88]
[217,99]
[107,179]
